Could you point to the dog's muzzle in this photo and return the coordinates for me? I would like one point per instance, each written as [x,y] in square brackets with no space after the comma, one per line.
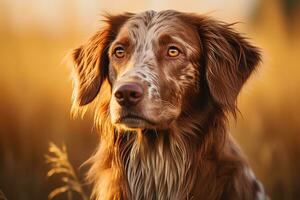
[129,94]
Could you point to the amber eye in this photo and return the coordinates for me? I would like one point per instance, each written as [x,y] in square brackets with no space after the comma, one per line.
[173,51]
[119,52]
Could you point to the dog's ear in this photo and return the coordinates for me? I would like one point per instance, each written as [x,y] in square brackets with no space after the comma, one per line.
[228,58]
[91,60]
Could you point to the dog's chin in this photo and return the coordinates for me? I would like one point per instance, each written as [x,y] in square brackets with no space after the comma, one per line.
[138,123]
[133,122]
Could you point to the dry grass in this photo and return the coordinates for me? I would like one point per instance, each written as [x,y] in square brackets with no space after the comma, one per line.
[61,166]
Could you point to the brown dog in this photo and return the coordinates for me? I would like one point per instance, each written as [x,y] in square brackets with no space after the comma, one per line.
[165,82]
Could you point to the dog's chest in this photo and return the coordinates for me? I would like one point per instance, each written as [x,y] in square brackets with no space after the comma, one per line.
[161,173]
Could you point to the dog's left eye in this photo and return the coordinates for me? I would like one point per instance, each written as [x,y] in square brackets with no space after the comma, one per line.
[119,52]
[173,51]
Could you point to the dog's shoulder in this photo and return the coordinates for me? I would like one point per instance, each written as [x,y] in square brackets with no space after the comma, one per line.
[242,182]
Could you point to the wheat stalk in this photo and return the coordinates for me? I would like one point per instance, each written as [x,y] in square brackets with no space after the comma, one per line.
[2,196]
[60,165]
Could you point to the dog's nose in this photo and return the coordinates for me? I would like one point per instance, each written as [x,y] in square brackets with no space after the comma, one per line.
[129,94]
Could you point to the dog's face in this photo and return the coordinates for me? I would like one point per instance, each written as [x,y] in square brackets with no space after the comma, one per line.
[152,65]
[156,62]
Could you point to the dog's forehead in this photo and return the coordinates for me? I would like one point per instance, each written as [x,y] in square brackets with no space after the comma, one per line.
[151,23]
[151,18]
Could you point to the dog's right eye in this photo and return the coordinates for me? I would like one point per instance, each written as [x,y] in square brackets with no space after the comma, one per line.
[119,52]
[173,51]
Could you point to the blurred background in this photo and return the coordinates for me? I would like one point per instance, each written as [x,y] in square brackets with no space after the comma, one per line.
[35,87]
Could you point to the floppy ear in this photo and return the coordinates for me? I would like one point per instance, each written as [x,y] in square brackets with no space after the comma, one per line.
[91,60]
[228,57]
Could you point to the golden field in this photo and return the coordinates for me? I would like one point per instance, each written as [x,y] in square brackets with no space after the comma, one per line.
[35,90]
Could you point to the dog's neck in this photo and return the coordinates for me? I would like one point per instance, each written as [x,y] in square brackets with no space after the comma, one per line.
[159,166]
[155,164]
[164,164]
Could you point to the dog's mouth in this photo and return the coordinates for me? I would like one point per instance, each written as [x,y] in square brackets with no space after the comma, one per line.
[134,121]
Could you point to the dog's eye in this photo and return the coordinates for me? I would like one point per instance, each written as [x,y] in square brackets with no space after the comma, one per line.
[119,52]
[173,51]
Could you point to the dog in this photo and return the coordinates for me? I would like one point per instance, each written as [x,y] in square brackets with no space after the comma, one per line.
[162,85]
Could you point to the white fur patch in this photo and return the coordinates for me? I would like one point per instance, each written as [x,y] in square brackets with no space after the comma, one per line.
[260,194]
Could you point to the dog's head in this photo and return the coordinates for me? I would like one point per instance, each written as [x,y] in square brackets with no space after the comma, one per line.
[157,63]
